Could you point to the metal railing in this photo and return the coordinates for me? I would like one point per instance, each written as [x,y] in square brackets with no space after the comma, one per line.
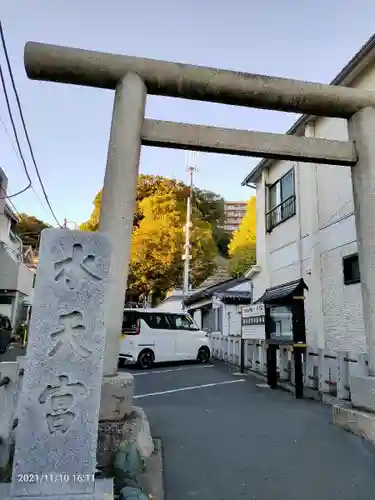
[281,212]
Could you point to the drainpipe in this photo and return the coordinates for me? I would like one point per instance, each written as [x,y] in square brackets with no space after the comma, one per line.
[267,281]
[297,173]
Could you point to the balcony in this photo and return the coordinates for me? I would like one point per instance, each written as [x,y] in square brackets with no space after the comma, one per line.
[14,275]
[281,213]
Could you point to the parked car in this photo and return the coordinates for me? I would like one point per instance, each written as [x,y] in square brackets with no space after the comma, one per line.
[151,336]
[5,333]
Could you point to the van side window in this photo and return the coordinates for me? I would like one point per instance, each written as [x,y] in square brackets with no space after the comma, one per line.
[157,321]
[182,322]
[129,321]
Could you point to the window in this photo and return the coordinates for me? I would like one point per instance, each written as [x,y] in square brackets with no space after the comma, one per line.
[281,200]
[157,321]
[5,323]
[6,299]
[182,322]
[129,322]
[217,319]
[280,323]
[350,266]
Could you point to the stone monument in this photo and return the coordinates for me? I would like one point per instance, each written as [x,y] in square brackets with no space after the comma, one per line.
[56,440]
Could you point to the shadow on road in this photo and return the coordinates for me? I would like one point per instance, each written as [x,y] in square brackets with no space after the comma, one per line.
[169,364]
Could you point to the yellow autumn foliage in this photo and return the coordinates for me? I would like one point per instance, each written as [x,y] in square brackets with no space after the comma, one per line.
[242,247]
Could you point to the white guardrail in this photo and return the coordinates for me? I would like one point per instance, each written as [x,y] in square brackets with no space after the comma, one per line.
[325,372]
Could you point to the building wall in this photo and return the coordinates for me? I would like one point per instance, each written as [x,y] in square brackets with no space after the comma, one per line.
[261,281]
[231,320]
[313,242]
[25,280]
[14,275]
[172,304]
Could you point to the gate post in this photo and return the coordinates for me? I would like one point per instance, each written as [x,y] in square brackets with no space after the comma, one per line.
[362,132]
[118,201]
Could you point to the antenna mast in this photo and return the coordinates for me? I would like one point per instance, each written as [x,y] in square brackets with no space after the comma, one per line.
[191,166]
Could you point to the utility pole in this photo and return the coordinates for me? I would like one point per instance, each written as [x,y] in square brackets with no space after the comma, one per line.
[191,162]
[70,222]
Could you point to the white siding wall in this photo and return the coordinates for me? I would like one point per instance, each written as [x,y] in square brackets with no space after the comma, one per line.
[231,322]
[261,281]
[282,244]
[342,305]
[25,280]
[4,228]
[313,242]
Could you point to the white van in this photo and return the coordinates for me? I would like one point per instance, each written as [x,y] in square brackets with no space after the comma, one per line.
[149,336]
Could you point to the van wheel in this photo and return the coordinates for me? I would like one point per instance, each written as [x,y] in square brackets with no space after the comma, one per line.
[146,359]
[204,355]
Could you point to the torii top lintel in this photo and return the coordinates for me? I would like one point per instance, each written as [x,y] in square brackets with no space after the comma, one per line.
[103,70]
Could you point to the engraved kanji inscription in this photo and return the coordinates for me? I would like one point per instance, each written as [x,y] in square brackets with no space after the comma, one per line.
[76,268]
[61,400]
[119,401]
[69,335]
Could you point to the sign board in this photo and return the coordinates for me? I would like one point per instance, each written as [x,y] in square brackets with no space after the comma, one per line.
[253,322]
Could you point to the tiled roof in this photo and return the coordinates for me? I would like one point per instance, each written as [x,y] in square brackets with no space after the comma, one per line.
[216,288]
[283,291]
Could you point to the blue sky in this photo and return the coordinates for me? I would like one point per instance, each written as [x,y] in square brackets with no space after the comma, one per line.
[69,126]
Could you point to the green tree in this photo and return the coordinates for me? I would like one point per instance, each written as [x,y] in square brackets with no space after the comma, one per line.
[211,207]
[242,247]
[29,229]
[158,238]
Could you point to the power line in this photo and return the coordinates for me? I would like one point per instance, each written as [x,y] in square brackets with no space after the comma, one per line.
[10,202]
[16,137]
[24,124]
[20,160]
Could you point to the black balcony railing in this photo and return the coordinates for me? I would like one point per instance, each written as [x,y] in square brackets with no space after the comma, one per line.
[281,212]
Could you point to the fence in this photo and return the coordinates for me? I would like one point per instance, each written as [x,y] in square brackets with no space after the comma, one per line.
[324,371]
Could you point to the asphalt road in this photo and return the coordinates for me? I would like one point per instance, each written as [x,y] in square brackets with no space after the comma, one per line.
[12,353]
[240,441]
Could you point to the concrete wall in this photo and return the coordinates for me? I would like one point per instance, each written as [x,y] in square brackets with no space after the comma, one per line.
[312,243]
[25,279]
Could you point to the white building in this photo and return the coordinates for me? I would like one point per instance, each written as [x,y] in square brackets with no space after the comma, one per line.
[16,279]
[173,301]
[306,227]
[216,308]
[234,212]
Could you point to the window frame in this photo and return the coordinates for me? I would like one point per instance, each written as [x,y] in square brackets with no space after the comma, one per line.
[130,330]
[282,218]
[346,259]
[194,328]
[147,315]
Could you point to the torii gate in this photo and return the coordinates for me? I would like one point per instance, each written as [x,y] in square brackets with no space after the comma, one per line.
[133,78]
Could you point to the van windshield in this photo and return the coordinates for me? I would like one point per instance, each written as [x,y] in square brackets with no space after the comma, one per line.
[182,322]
